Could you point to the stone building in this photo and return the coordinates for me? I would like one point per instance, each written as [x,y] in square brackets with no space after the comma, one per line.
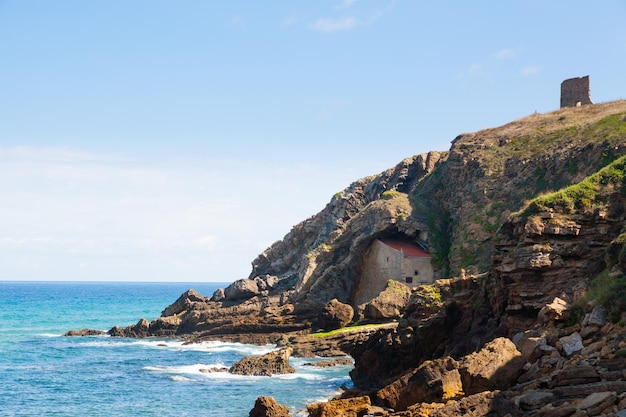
[575,92]
[392,259]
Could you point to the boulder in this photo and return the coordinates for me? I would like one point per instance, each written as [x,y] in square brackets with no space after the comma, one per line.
[555,311]
[483,404]
[336,315]
[268,407]
[273,363]
[390,303]
[571,344]
[241,289]
[495,366]
[433,381]
[330,363]
[183,303]
[351,407]
[595,403]
[576,375]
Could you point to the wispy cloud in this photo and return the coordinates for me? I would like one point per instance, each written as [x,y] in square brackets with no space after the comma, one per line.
[346,3]
[126,217]
[530,70]
[507,53]
[331,25]
[357,18]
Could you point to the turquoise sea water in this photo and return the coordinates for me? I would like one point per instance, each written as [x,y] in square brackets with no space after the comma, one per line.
[45,374]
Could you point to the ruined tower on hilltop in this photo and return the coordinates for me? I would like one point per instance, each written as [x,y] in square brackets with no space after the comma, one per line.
[575,92]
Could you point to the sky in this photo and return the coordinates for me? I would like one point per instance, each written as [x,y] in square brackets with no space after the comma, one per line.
[175,141]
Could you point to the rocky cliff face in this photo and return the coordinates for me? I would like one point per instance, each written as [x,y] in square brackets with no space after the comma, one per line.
[455,201]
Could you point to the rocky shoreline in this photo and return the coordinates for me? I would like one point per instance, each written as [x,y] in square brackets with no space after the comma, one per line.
[529,220]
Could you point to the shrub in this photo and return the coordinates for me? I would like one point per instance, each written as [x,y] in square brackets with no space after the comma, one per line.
[389,194]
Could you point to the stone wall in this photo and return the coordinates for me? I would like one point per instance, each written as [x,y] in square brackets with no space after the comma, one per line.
[382,263]
[575,92]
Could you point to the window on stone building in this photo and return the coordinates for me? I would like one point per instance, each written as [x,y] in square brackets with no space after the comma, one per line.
[409,280]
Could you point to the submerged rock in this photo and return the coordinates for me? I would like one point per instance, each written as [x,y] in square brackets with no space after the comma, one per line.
[84,332]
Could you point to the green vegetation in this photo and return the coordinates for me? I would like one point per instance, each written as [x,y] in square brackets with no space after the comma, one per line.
[587,194]
[427,295]
[608,290]
[616,252]
[347,329]
[390,194]
[324,247]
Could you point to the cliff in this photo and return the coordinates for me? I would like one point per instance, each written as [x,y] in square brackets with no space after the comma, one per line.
[454,202]
[525,225]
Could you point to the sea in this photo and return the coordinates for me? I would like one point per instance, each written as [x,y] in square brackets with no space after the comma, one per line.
[43,373]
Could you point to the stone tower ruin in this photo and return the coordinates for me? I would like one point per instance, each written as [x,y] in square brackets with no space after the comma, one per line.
[575,92]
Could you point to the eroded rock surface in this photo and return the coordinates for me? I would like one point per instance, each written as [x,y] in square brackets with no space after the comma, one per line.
[273,363]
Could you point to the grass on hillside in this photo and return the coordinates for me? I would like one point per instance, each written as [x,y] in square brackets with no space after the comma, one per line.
[348,329]
[587,194]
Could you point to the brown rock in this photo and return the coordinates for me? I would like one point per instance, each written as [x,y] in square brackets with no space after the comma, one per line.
[488,403]
[273,363]
[268,407]
[390,303]
[595,403]
[553,311]
[495,366]
[434,381]
[330,362]
[563,410]
[183,303]
[336,315]
[535,399]
[571,344]
[84,332]
[576,375]
[351,407]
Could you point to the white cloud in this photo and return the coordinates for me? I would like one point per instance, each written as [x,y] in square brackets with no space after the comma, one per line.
[346,3]
[530,70]
[506,53]
[334,25]
[359,18]
[128,218]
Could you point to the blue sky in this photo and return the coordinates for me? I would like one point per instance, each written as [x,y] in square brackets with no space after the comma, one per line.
[175,141]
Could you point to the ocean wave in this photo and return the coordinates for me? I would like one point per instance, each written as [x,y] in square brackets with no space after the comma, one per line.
[297,375]
[178,378]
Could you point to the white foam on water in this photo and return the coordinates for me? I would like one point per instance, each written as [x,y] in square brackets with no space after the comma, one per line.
[181,369]
[299,375]
[178,378]
[49,335]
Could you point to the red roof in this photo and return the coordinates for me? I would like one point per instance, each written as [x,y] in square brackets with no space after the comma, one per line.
[408,248]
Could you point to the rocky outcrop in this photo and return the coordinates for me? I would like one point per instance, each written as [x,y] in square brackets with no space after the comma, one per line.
[433,381]
[389,304]
[335,315]
[273,363]
[495,367]
[524,271]
[352,407]
[84,332]
[268,407]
